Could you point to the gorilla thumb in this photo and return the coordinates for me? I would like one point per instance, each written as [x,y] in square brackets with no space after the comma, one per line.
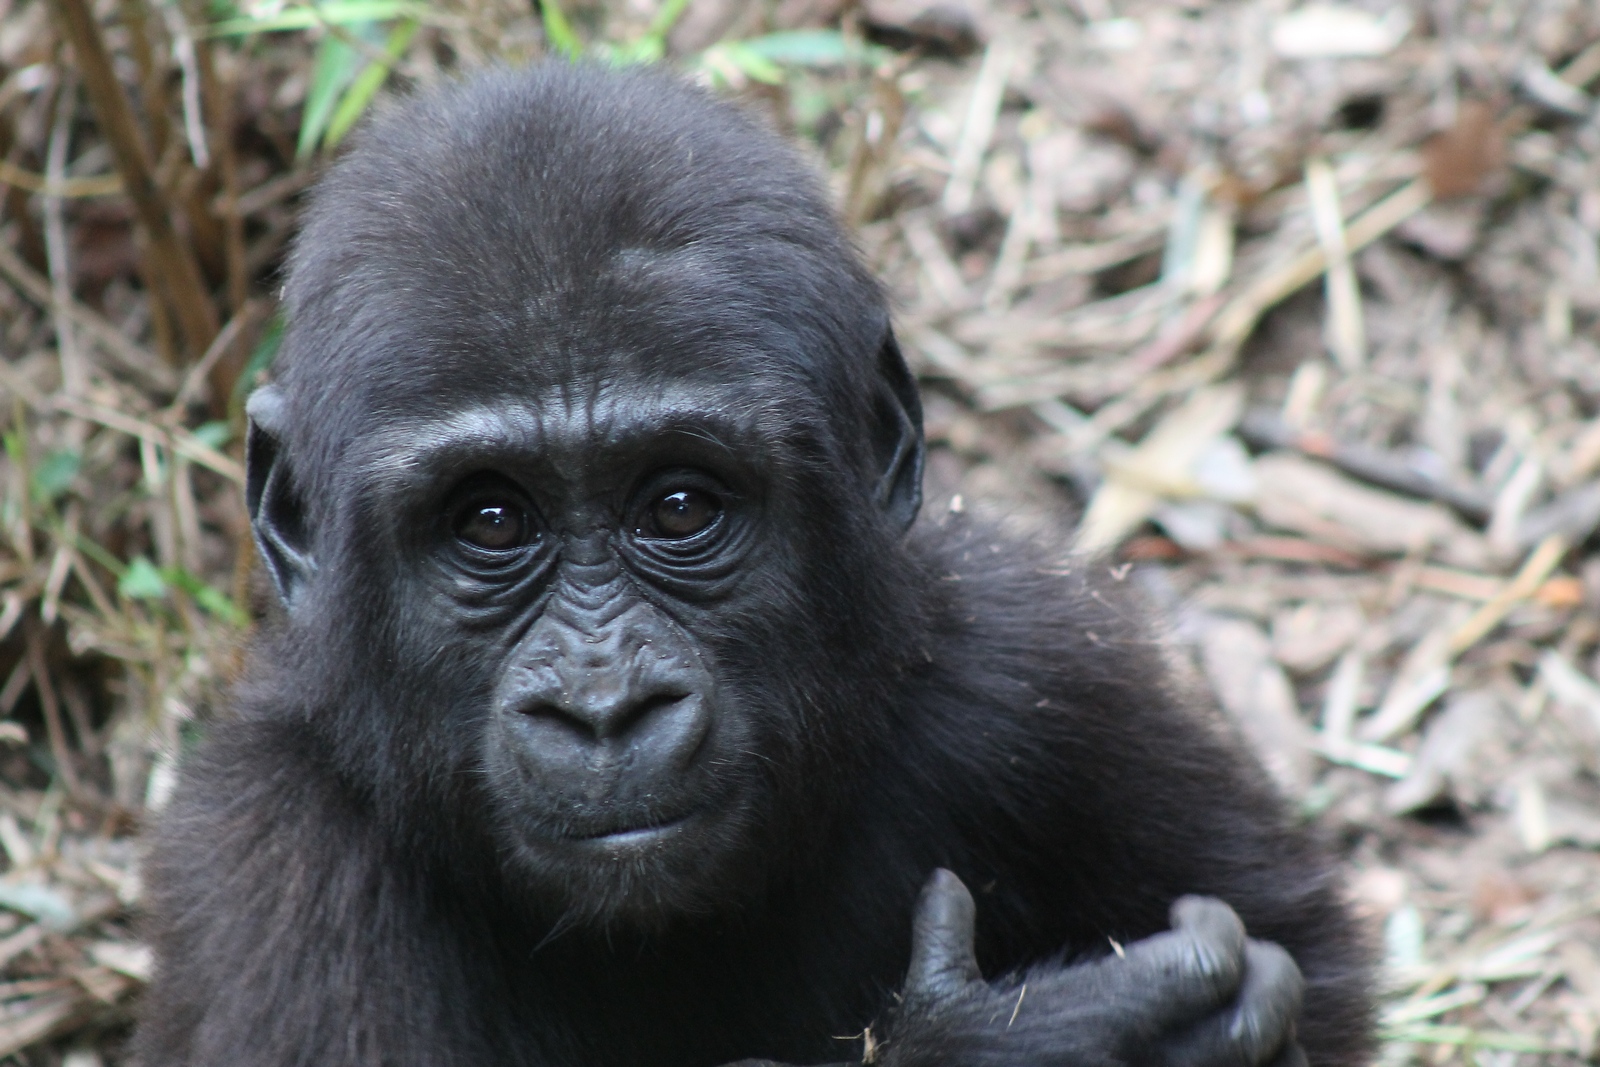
[942,959]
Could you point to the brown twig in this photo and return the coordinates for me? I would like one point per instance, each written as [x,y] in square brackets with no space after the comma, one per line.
[110,340]
[1265,429]
[1237,320]
[179,441]
[152,75]
[1574,515]
[239,325]
[219,105]
[40,670]
[65,189]
[176,271]
[1523,586]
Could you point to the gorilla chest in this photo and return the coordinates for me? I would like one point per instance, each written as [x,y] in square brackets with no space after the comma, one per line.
[716,1002]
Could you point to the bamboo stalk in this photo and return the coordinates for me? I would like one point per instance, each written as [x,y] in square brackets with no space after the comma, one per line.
[176,271]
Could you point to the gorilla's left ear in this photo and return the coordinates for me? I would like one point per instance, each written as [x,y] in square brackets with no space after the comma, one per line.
[897,435]
[277,512]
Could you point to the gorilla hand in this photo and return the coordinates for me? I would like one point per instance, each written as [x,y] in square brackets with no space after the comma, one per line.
[1201,995]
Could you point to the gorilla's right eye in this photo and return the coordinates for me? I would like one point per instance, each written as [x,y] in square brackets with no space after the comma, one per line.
[494,524]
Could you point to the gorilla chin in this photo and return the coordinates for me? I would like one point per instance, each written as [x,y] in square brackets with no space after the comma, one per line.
[623,865]
[649,880]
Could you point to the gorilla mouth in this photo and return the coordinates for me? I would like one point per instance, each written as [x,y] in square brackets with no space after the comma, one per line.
[625,833]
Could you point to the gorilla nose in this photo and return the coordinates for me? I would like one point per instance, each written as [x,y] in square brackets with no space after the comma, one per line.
[604,718]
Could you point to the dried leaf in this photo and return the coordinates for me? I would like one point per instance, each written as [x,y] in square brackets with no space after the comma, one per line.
[1321,31]
[1306,497]
[1256,693]
[1458,161]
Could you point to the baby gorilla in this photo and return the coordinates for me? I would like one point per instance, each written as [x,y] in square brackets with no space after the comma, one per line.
[621,713]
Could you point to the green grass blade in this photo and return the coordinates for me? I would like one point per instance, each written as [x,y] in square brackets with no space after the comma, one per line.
[367,83]
[558,31]
[1435,1034]
[340,13]
[334,66]
[211,600]
[666,18]
[731,62]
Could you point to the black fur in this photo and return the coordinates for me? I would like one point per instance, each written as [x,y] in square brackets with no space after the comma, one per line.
[392,855]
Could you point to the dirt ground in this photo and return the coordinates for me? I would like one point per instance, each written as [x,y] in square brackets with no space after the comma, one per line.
[1289,309]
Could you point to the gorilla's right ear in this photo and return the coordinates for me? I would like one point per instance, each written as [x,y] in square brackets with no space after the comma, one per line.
[897,435]
[277,512]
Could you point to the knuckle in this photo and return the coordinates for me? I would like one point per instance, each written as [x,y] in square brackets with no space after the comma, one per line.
[1209,961]
[1279,975]
[1252,1035]
[1190,911]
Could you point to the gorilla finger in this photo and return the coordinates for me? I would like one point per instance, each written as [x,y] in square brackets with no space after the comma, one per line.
[1258,1029]
[1196,967]
[1210,918]
[942,958]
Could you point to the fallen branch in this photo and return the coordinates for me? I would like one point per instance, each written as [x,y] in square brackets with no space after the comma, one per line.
[1264,429]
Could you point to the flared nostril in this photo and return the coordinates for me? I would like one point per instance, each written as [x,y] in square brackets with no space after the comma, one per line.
[555,715]
[653,706]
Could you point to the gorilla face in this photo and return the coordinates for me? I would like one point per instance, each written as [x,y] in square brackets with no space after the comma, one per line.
[616,610]
[593,547]
[614,456]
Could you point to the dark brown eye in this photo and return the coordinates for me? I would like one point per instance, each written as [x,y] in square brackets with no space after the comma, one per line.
[494,525]
[680,514]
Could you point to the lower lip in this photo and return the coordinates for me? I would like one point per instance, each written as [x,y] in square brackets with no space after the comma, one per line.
[640,836]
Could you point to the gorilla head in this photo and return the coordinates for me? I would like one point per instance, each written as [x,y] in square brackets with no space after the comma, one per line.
[585,479]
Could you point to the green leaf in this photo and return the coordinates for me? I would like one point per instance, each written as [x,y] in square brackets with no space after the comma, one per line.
[142,581]
[305,17]
[731,62]
[811,48]
[558,31]
[653,45]
[367,83]
[667,18]
[190,733]
[762,59]
[335,65]
[223,11]
[213,434]
[211,600]
[54,474]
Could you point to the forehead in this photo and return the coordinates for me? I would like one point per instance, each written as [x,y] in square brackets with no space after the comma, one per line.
[634,329]
[569,430]
[570,241]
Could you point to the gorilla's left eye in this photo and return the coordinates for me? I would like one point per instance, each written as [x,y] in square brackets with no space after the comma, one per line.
[679,515]
[493,525]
